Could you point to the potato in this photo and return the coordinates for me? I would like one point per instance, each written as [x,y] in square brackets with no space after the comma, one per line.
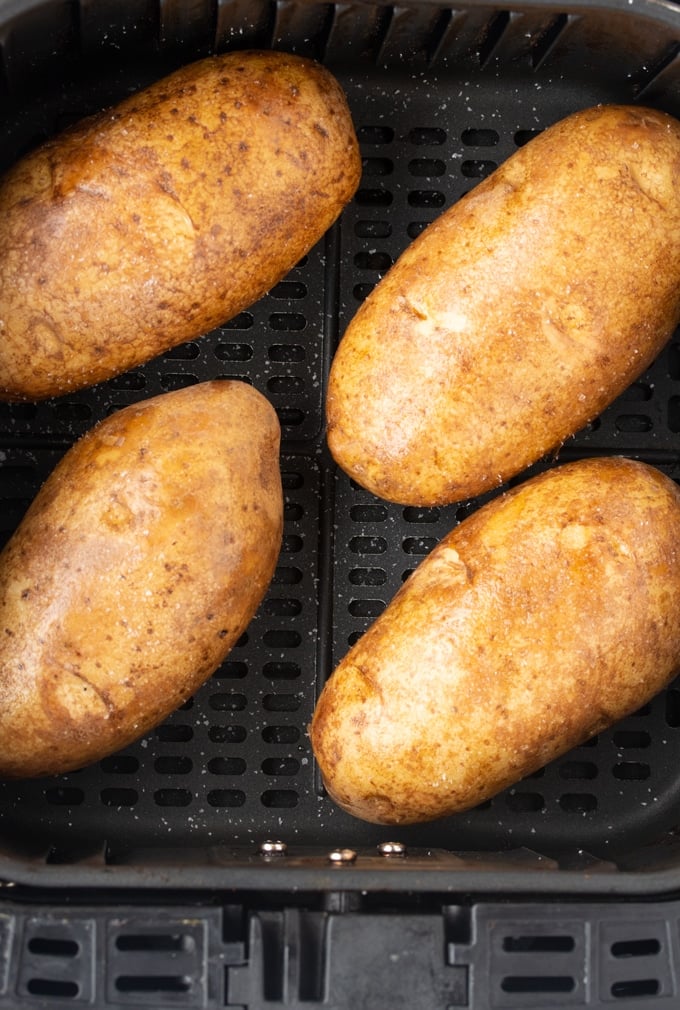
[152,223]
[518,315]
[137,567]
[544,617]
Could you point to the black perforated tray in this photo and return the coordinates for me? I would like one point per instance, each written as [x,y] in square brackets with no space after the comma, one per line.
[439,99]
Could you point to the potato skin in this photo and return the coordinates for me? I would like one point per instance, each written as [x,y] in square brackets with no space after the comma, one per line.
[139,564]
[518,315]
[158,220]
[547,615]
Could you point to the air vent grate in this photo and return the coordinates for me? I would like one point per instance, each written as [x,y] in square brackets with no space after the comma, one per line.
[58,959]
[162,961]
[552,956]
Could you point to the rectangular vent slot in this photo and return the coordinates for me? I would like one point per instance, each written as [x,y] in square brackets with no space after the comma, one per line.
[538,983]
[538,944]
[155,942]
[153,983]
[636,948]
[634,987]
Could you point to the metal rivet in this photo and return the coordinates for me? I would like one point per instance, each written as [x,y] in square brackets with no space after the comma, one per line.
[342,856]
[273,848]
[392,849]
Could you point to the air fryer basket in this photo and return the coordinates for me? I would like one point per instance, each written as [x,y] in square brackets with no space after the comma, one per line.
[439,97]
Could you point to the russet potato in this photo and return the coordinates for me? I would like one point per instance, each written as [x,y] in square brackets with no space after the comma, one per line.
[518,315]
[151,223]
[137,567]
[544,617]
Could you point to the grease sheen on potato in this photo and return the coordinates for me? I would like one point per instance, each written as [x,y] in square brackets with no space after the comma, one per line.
[544,617]
[139,564]
[162,218]
[518,315]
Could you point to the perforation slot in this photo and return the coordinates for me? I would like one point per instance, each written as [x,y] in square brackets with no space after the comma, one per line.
[477,168]
[281,766]
[631,739]
[281,702]
[52,987]
[368,545]
[373,134]
[673,708]
[367,577]
[377,166]
[373,229]
[479,137]
[227,734]
[283,799]
[173,765]
[525,802]
[282,670]
[169,942]
[53,946]
[636,948]
[631,770]
[226,797]
[542,944]
[227,766]
[174,733]
[419,545]
[432,199]
[578,803]
[366,608]
[578,770]
[233,352]
[427,136]
[538,984]
[635,987]
[426,167]
[281,734]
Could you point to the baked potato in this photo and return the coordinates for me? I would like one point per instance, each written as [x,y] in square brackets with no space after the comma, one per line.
[544,617]
[518,315]
[138,565]
[162,218]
